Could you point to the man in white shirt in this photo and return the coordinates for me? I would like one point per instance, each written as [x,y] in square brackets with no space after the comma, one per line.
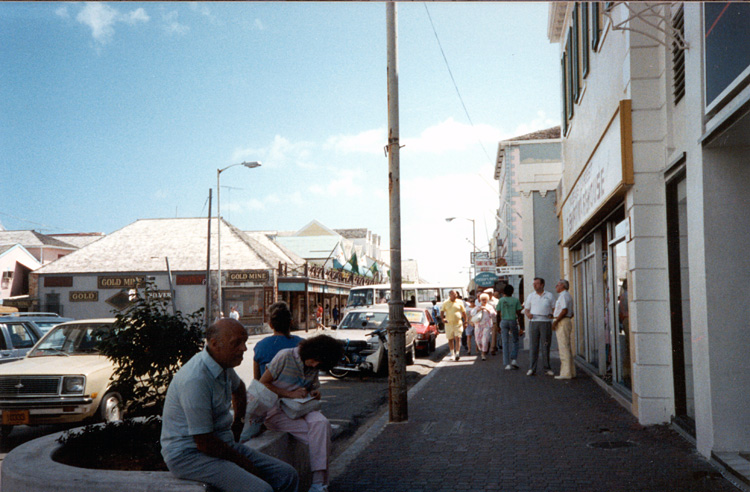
[538,308]
[562,325]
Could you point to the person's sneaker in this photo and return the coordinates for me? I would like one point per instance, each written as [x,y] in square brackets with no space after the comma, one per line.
[550,373]
[508,368]
[453,358]
[562,377]
[514,364]
[483,357]
[529,372]
[458,357]
[318,487]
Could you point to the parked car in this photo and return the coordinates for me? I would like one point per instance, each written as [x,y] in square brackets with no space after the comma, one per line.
[359,322]
[17,336]
[62,379]
[44,321]
[427,330]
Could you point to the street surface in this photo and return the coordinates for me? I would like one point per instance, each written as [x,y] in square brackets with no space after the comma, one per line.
[348,403]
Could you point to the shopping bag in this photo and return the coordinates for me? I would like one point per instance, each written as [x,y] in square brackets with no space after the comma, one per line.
[295,408]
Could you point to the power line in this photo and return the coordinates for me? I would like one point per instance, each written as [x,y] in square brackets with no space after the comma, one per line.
[450,72]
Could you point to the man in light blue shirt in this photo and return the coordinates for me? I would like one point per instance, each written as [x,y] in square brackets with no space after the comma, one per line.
[198,431]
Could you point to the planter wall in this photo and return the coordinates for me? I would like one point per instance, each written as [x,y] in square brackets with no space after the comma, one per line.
[30,468]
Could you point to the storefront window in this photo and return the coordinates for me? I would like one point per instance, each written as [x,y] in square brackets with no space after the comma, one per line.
[249,303]
[621,336]
[679,294]
[585,298]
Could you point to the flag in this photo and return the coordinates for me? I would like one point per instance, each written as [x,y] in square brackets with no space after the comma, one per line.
[353,263]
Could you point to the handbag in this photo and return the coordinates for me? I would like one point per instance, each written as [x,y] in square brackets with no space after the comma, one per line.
[295,408]
[259,401]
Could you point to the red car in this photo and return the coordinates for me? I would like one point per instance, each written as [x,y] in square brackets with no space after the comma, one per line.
[426,329]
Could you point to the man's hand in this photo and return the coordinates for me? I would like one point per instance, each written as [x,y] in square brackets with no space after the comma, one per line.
[237,427]
[315,394]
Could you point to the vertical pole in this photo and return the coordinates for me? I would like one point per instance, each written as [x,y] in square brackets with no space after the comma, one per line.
[218,237]
[207,314]
[397,323]
[171,287]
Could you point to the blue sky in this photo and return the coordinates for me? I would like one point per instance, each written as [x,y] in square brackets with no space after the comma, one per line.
[112,112]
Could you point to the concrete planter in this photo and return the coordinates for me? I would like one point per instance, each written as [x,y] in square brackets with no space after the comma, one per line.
[30,468]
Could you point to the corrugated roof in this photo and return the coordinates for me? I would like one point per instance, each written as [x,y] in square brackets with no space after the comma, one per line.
[79,240]
[546,134]
[143,245]
[352,233]
[31,239]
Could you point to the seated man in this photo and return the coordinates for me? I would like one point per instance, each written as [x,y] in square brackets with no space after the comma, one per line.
[198,436]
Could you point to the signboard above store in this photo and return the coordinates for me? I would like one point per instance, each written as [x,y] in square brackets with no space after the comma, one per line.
[509,270]
[256,276]
[485,279]
[107,282]
[610,167]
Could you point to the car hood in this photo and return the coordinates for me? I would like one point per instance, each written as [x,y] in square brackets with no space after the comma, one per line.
[352,334]
[55,365]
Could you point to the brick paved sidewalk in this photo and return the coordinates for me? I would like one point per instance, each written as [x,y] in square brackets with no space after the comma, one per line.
[476,427]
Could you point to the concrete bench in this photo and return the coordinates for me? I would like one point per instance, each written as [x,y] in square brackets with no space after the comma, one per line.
[30,468]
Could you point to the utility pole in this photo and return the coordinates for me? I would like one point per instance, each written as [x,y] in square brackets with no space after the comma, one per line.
[207,316]
[397,323]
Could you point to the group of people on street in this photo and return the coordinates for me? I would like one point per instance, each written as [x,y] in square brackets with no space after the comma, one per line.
[486,316]
[205,408]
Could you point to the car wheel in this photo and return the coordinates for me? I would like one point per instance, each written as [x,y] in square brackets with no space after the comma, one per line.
[411,354]
[110,409]
[5,430]
[340,373]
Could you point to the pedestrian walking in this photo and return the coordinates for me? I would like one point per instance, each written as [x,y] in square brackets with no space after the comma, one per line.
[469,328]
[562,325]
[539,307]
[509,312]
[319,317]
[233,313]
[484,321]
[453,313]
[335,315]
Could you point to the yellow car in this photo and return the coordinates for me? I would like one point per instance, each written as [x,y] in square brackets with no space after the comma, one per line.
[62,379]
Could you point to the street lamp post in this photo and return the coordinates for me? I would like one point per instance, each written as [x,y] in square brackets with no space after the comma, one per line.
[248,165]
[473,237]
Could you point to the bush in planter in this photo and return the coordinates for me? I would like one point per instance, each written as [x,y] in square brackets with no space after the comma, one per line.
[147,345]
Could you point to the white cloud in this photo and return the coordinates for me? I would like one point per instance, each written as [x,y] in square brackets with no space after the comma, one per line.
[451,135]
[101,18]
[368,141]
[541,122]
[202,9]
[259,25]
[172,25]
[62,12]
[346,184]
[280,153]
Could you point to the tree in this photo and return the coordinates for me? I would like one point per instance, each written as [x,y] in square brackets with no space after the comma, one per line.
[148,345]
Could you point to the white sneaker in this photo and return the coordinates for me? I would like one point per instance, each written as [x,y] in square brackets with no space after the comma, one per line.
[508,368]
[530,372]
[514,364]
[550,373]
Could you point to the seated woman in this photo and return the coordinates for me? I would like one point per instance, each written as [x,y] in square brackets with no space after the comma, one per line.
[293,373]
[281,324]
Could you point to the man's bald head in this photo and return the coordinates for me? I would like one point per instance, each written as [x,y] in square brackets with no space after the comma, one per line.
[227,341]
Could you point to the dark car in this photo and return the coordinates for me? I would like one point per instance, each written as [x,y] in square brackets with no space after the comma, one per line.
[43,321]
[17,336]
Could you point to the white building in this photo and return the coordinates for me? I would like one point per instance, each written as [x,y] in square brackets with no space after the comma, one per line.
[656,127]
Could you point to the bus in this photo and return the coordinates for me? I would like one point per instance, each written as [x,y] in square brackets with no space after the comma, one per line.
[423,294]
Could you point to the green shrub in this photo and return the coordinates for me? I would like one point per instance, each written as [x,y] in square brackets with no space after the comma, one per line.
[148,345]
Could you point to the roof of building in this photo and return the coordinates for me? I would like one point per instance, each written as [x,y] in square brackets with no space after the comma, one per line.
[32,239]
[79,239]
[546,134]
[352,233]
[309,247]
[143,246]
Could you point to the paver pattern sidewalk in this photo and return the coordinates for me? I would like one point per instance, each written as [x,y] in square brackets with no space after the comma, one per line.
[475,427]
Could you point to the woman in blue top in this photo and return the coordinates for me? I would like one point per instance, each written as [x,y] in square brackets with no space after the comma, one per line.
[281,324]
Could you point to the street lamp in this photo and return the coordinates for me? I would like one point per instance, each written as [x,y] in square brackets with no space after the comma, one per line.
[248,165]
[473,237]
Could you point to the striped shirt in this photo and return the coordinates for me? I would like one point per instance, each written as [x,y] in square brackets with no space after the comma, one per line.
[290,373]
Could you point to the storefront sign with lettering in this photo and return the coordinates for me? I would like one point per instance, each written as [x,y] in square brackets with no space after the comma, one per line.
[195,279]
[256,276]
[80,296]
[119,282]
[160,294]
[58,281]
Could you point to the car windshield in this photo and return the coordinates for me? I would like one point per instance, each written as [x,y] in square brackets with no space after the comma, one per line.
[46,326]
[71,340]
[363,321]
